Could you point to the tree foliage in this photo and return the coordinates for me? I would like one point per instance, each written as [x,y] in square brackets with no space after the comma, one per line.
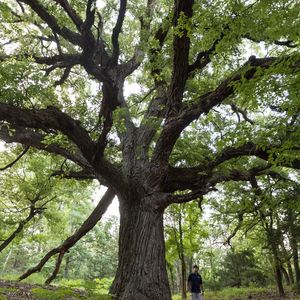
[214,98]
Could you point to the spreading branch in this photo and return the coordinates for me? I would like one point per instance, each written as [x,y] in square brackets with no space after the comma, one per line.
[46,119]
[35,139]
[175,125]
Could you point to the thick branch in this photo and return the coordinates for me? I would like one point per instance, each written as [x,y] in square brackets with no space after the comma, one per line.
[89,223]
[116,32]
[183,11]
[49,118]
[52,22]
[174,126]
[35,139]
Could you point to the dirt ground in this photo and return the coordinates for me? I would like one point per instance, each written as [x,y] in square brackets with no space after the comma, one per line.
[11,290]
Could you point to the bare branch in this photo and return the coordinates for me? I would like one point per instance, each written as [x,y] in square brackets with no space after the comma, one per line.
[289,44]
[203,57]
[64,77]
[56,269]
[238,110]
[16,160]
[236,229]
[86,174]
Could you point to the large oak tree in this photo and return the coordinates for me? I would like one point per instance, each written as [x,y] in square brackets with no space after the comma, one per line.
[204,110]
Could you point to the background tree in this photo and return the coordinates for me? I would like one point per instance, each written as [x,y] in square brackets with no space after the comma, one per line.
[261,207]
[192,68]
[185,234]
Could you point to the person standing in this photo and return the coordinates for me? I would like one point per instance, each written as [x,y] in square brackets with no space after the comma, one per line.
[195,284]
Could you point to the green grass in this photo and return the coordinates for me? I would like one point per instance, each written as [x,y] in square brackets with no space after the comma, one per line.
[233,293]
[59,294]
[65,293]
[4,291]
[35,278]
[241,294]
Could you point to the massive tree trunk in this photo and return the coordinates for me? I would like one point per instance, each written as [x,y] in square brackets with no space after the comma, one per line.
[141,273]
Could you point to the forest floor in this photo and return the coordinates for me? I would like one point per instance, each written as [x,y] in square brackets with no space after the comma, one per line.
[13,290]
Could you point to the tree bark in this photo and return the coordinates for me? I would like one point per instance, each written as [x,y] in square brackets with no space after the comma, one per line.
[141,273]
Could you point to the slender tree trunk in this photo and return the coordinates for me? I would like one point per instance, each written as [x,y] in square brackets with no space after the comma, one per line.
[141,273]
[67,265]
[296,265]
[171,275]
[289,277]
[285,275]
[294,247]
[179,279]
[290,272]
[182,258]
[6,261]
[277,264]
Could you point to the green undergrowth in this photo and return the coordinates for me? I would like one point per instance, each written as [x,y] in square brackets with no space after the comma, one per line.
[97,286]
[238,293]
[35,278]
[5,290]
[64,294]
[44,294]
[243,294]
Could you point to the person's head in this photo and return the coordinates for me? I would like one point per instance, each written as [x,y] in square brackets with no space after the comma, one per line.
[195,269]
